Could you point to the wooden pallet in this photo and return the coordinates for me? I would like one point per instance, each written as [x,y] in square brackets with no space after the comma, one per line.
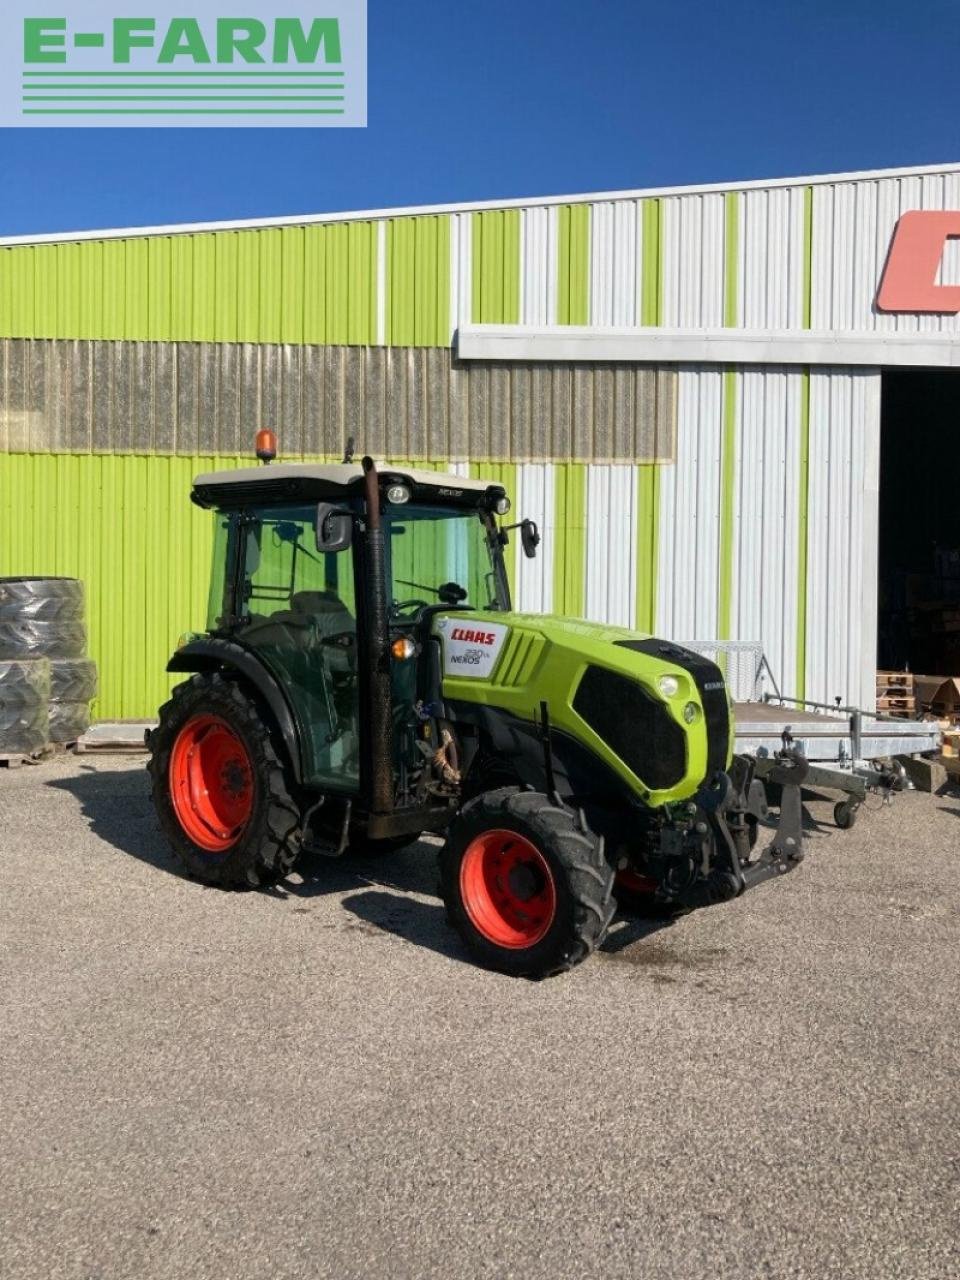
[17,760]
[894,680]
[893,703]
[895,693]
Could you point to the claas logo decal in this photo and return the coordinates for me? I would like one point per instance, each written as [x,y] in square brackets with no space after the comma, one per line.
[475,637]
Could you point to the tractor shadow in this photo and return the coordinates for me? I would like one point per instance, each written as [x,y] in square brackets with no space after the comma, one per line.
[381,894]
[116,806]
[385,894]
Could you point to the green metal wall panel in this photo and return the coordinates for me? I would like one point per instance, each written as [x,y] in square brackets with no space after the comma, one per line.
[351,276]
[573,264]
[295,285]
[418,282]
[496,267]
[570,539]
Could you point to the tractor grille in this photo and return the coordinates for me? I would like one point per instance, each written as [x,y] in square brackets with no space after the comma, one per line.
[634,725]
[708,678]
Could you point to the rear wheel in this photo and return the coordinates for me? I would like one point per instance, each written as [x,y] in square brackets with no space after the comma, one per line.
[221,791]
[525,884]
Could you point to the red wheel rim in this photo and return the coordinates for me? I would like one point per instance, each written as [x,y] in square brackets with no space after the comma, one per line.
[211,783]
[507,889]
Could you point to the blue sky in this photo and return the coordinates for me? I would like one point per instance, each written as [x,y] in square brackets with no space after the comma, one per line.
[497,99]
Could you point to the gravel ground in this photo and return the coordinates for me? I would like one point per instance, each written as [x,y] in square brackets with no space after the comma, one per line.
[316,1082]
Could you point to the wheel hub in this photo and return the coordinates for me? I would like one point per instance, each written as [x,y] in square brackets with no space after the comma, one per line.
[524,882]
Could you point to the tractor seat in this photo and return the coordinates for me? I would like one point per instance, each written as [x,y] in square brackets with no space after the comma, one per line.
[326,610]
[314,616]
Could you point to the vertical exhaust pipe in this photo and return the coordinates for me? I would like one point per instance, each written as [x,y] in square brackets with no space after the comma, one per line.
[379,750]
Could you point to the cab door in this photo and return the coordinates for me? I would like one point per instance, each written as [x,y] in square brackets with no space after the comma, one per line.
[297,609]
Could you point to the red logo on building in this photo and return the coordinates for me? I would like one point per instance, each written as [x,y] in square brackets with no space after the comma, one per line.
[910,277]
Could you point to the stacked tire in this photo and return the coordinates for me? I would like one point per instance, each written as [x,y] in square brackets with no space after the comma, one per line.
[24,707]
[42,622]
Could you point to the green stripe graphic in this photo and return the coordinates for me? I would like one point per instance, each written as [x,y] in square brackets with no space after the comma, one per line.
[181,111]
[570,552]
[188,97]
[648,481]
[496,267]
[573,264]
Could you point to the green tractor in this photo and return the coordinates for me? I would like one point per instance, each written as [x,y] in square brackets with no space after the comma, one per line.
[364,679]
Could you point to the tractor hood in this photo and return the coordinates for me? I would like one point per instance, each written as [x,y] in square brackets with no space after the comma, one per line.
[656,713]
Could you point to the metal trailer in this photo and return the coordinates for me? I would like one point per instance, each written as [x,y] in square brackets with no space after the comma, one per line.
[848,749]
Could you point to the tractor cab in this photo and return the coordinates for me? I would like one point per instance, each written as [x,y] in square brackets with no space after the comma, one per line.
[297,584]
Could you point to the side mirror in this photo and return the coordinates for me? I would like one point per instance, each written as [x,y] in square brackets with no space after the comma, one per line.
[529,538]
[334,527]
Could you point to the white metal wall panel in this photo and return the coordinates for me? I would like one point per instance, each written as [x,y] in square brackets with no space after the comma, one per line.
[766,522]
[687,590]
[538,266]
[771,259]
[842,535]
[534,500]
[853,223]
[615,263]
[611,579]
[461,280]
[693,261]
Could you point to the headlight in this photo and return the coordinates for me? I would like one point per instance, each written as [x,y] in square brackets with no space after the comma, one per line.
[691,712]
[669,686]
[502,506]
[398,493]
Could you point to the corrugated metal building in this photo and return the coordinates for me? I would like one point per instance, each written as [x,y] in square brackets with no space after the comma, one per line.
[683,387]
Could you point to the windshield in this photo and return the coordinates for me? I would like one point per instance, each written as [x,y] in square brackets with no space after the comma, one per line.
[436,555]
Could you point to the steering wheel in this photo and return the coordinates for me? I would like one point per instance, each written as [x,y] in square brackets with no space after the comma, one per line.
[400,606]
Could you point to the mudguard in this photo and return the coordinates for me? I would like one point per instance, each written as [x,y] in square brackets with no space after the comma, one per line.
[210,654]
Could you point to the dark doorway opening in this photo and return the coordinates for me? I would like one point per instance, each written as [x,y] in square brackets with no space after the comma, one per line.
[919,570]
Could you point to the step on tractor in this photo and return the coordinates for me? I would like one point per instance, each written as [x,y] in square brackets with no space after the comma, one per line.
[364,679]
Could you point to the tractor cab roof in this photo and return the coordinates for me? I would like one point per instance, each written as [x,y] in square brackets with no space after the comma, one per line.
[316,482]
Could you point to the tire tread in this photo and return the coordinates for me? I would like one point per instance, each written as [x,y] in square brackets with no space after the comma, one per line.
[587,874]
[269,850]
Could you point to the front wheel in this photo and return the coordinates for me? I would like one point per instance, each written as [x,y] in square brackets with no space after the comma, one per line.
[845,814]
[525,884]
[220,787]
